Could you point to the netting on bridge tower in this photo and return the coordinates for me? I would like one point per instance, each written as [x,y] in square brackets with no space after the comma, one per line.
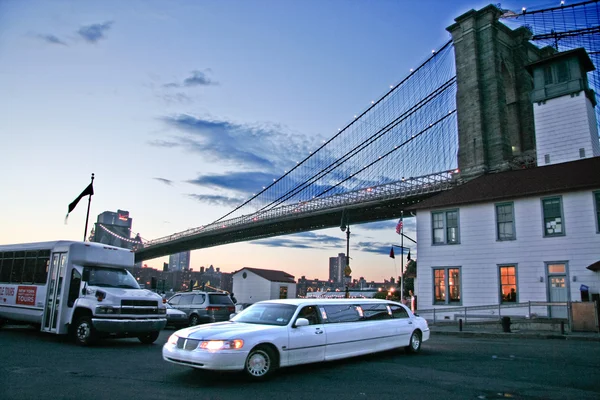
[409,132]
[565,27]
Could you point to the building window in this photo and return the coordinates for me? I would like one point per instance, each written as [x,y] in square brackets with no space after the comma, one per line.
[597,202]
[562,72]
[446,282]
[505,221]
[553,220]
[508,283]
[283,292]
[445,227]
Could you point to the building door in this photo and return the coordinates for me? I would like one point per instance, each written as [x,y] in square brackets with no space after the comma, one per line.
[557,289]
[55,283]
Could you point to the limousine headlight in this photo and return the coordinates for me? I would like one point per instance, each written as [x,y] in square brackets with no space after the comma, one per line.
[173,339]
[221,344]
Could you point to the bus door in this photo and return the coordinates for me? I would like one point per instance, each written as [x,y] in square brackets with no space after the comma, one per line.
[52,309]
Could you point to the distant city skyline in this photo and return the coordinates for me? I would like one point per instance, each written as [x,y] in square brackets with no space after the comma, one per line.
[171,104]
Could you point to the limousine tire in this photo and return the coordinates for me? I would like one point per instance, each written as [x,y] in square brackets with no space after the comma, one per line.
[261,363]
[84,332]
[414,346]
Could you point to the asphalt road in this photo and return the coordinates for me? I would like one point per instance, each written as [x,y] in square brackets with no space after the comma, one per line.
[34,365]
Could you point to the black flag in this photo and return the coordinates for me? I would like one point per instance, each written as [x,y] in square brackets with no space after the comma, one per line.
[88,191]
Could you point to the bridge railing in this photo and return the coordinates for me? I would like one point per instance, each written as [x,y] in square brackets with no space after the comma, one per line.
[408,187]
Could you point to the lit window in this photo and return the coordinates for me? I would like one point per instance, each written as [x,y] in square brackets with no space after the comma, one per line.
[508,283]
[553,220]
[505,221]
[445,227]
[446,282]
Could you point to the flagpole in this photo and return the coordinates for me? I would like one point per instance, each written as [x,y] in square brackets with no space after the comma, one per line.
[87,217]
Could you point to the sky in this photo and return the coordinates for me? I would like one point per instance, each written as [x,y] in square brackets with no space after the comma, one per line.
[167,101]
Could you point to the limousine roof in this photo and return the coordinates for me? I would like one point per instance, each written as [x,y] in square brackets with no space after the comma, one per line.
[299,302]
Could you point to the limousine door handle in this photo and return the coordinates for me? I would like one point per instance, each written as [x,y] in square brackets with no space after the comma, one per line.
[410,322]
[318,331]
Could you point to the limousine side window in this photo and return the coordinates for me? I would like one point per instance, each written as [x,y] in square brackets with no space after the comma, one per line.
[341,313]
[398,311]
[373,312]
[311,314]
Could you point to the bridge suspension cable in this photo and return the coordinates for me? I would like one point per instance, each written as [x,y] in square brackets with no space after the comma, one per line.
[405,108]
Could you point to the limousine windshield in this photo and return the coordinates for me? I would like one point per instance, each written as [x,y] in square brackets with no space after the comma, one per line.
[266,314]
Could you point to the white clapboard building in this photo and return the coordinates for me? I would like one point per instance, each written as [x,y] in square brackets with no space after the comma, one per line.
[252,284]
[529,234]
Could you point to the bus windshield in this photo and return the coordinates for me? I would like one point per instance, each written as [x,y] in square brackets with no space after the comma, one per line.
[111,277]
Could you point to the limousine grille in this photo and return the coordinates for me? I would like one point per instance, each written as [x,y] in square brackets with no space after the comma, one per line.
[139,307]
[187,344]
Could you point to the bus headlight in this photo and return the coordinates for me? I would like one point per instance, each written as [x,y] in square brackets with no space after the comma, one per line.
[214,345]
[106,310]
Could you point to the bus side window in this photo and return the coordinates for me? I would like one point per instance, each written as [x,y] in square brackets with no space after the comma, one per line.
[74,287]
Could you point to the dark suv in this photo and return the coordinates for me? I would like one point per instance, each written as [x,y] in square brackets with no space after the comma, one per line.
[203,307]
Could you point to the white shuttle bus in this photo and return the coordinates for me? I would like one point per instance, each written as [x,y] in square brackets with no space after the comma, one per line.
[80,288]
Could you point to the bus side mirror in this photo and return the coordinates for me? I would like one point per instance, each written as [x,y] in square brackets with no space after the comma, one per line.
[86,275]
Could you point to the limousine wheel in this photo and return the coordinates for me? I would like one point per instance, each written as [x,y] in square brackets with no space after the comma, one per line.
[415,342]
[261,362]
[84,332]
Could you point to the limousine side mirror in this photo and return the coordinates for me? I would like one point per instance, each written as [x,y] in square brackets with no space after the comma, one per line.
[232,315]
[301,322]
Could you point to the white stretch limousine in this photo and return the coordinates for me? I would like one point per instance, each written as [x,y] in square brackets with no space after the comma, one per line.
[281,333]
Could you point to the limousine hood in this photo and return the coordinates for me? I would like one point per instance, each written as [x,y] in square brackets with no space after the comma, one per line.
[223,330]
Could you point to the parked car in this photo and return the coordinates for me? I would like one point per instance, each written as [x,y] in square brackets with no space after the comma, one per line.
[203,307]
[176,318]
[279,333]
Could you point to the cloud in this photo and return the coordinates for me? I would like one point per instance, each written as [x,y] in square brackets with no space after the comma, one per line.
[264,147]
[380,225]
[52,39]
[197,78]
[93,33]
[304,240]
[176,98]
[217,200]
[244,182]
[165,181]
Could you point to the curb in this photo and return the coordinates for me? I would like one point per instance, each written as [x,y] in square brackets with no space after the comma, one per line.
[517,335]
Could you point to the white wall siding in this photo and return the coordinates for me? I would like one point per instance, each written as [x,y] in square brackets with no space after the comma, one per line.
[291,289]
[252,289]
[562,127]
[479,253]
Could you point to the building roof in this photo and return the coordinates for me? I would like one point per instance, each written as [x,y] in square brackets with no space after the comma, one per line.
[271,275]
[552,179]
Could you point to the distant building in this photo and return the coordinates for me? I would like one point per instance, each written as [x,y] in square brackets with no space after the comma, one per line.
[252,284]
[336,269]
[179,261]
[114,228]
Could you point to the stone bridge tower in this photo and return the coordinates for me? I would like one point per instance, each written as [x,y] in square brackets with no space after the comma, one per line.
[495,114]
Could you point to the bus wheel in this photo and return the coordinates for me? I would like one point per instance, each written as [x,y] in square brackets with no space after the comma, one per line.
[149,338]
[84,332]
